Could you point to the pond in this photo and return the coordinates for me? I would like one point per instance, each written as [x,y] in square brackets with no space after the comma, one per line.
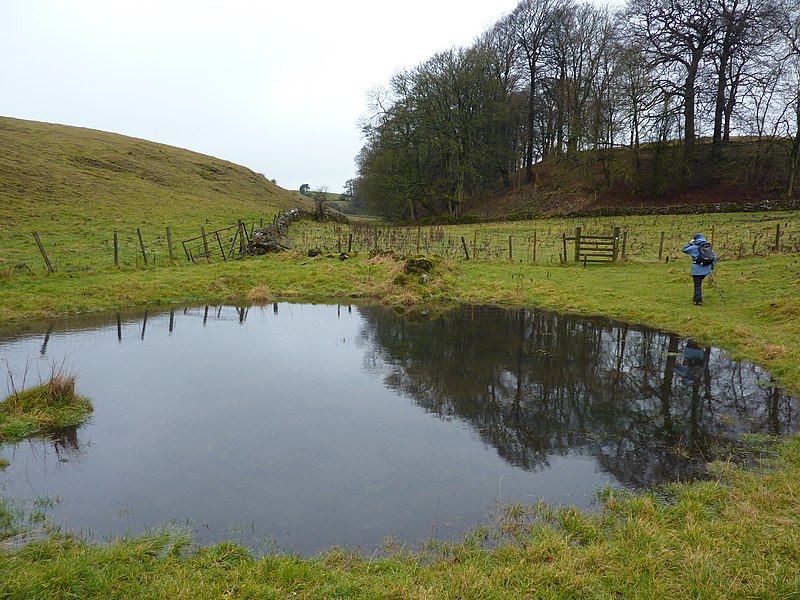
[295,427]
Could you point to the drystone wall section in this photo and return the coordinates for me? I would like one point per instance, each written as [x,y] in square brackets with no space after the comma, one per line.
[273,237]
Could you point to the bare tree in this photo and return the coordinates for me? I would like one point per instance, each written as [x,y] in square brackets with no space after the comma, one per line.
[747,28]
[533,21]
[679,35]
[792,59]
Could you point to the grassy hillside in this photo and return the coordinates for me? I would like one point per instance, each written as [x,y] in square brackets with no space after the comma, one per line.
[68,184]
[744,172]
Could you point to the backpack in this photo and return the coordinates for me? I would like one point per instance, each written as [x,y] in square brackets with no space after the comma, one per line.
[705,255]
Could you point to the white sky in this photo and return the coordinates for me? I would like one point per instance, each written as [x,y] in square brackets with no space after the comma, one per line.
[276,86]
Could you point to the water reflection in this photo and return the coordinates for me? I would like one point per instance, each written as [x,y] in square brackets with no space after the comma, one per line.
[296,418]
[535,385]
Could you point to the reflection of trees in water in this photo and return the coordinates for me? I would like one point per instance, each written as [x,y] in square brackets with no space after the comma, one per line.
[536,384]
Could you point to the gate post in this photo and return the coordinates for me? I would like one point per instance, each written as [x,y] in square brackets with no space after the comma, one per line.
[577,244]
[616,243]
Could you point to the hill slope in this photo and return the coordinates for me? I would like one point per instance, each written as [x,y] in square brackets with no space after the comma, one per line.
[77,187]
[743,173]
[60,180]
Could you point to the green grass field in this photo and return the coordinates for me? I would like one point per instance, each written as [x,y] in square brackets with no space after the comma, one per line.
[737,536]
[75,187]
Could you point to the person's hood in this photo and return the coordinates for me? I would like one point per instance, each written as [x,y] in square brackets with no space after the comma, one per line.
[698,238]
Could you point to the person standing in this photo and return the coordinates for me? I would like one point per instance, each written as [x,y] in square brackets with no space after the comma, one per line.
[703,262]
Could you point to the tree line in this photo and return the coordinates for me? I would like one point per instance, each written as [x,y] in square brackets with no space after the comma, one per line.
[559,77]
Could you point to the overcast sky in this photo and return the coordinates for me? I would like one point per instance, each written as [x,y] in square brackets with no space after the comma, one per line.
[277,86]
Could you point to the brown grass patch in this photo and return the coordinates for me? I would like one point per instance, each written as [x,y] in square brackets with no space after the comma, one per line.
[785,307]
[61,385]
[259,293]
[773,351]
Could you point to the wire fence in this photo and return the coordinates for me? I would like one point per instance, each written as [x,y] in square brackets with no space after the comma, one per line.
[648,239]
[540,241]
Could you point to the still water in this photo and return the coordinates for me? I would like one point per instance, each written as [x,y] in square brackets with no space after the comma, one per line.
[295,427]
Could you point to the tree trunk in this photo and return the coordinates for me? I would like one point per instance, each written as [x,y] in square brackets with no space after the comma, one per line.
[531,119]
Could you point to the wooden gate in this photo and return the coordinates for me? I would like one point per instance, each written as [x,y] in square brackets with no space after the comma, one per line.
[594,248]
[227,241]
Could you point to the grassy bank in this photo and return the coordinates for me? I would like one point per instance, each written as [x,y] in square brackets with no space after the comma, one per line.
[735,537]
[31,411]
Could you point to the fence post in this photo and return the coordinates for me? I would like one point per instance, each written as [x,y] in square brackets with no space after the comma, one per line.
[116,249]
[534,246]
[577,244]
[510,254]
[221,249]
[624,242]
[188,256]
[141,245]
[41,249]
[349,243]
[169,244]
[242,231]
[464,244]
[777,237]
[661,247]
[205,243]
[564,244]
[475,244]
[616,243]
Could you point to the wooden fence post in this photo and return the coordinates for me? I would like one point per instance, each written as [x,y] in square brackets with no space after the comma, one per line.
[464,244]
[534,246]
[141,245]
[116,249]
[624,242]
[564,244]
[777,237]
[616,244]
[661,247]
[205,243]
[219,241]
[44,254]
[240,227]
[169,244]
[349,243]
[510,252]
[188,256]
[577,244]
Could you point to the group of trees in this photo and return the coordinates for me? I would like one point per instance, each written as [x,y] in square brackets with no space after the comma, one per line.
[556,77]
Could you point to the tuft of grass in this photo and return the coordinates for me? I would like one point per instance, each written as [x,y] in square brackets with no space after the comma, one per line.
[53,403]
[259,294]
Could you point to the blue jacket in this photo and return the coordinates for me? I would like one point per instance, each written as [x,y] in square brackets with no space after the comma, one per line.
[692,250]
